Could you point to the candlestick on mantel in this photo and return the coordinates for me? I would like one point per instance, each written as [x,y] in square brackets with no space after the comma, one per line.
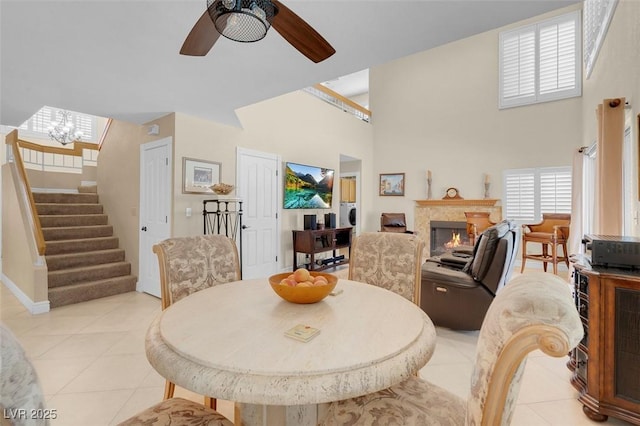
[428,184]
[486,178]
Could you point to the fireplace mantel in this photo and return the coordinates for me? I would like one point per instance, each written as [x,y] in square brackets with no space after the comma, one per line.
[457,202]
[450,210]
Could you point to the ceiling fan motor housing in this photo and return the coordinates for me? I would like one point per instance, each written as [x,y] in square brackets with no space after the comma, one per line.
[242,20]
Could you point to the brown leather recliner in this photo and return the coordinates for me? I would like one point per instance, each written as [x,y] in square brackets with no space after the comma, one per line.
[457,288]
[393,222]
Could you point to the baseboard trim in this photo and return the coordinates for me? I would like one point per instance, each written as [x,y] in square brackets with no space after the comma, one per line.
[34,308]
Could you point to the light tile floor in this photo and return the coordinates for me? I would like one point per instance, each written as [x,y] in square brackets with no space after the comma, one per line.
[91,362]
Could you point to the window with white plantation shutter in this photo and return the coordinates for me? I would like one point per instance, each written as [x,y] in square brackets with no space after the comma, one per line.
[597,16]
[541,62]
[519,194]
[530,192]
[38,125]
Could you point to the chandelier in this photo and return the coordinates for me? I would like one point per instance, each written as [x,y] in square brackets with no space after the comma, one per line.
[63,130]
[242,20]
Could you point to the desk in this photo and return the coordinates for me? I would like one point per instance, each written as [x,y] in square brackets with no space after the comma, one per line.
[228,342]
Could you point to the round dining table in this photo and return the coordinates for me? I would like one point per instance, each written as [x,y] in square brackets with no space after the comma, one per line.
[229,342]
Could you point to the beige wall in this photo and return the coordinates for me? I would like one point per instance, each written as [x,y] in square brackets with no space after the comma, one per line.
[438,110]
[18,262]
[296,126]
[617,74]
[59,180]
[119,185]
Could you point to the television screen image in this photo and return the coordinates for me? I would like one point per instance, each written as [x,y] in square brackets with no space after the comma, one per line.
[307,187]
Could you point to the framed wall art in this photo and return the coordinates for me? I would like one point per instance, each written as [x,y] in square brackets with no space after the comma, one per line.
[199,175]
[391,184]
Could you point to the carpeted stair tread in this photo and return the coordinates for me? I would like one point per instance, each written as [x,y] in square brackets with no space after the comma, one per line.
[64,198]
[52,221]
[84,261]
[82,245]
[69,276]
[76,260]
[88,189]
[76,232]
[81,292]
[66,209]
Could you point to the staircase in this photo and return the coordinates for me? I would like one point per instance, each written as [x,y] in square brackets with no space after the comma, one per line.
[82,255]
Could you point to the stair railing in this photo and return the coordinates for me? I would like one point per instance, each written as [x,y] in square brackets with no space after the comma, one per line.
[339,101]
[78,150]
[23,189]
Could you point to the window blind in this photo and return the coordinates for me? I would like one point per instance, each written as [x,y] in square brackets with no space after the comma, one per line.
[540,62]
[530,192]
[597,16]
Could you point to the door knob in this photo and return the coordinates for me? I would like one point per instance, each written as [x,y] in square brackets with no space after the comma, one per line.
[245,227]
[144,228]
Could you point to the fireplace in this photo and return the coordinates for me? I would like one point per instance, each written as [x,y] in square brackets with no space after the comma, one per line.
[445,235]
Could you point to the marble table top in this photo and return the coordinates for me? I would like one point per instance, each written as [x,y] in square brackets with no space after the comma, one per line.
[228,342]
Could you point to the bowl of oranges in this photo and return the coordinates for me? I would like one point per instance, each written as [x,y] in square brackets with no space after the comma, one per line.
[303,286]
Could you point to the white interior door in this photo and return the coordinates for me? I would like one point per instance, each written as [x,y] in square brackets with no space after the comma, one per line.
[155,210]
[258,186]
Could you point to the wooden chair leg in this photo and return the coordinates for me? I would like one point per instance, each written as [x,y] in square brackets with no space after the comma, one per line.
[524,255]
[210,402]
[169,389]
[545,254]
[554,258]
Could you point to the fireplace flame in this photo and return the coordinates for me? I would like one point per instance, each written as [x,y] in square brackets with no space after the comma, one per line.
[454,241]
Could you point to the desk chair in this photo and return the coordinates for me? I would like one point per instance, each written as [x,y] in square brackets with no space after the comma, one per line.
[388,260]
[535,311]
[190,264]
[552,232]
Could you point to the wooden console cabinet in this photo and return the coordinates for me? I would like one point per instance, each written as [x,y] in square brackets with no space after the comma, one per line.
[312,242]
[606,363]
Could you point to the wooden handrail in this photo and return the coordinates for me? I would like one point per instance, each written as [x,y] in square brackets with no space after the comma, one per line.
[12,139]
[338,96]
[104,133]
[76,150]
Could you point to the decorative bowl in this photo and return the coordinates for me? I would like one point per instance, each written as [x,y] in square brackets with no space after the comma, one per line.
[222,188]
[303,294]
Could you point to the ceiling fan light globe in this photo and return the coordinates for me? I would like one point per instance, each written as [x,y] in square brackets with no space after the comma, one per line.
[229,4]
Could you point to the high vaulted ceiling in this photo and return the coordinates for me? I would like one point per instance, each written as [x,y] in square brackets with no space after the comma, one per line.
[119,58]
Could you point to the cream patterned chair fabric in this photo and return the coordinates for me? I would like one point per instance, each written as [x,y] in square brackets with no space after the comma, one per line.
[534,311]
[21,399]
[389,260]
[191,264]
[177,411]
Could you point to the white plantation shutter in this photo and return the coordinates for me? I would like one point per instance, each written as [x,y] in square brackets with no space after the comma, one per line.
[519,195]
[555,191]
[530,192]
[518,65]
[597,16]
[540,62]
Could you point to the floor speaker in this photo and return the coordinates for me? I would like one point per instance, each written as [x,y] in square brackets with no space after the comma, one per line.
[330,220]
[310,221]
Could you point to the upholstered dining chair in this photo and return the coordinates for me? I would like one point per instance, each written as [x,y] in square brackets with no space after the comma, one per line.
[19,385]
[535,311]
[388,260]
[552,233]
[190,264]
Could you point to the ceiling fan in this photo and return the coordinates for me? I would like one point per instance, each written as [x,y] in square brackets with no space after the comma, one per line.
[248,21]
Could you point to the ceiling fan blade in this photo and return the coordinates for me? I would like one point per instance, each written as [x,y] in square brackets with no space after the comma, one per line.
[202,37]
[300,34]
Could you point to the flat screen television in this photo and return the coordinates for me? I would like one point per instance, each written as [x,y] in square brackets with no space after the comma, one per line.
[307,187]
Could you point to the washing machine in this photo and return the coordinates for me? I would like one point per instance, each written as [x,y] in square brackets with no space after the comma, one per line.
[347,214]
